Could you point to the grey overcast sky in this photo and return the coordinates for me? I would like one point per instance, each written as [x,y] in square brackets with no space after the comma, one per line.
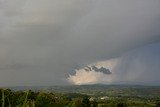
[43,41]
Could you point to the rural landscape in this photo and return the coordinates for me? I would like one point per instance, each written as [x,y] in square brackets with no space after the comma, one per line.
[97,95]
[79,53]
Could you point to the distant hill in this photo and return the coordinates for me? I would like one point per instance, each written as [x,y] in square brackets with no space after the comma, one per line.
[99,89]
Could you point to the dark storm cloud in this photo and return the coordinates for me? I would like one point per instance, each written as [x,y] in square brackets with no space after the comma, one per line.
[94,68]
[140,65]
[42,41]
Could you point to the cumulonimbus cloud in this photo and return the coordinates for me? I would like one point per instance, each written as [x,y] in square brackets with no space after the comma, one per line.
[42,41]
[139,66]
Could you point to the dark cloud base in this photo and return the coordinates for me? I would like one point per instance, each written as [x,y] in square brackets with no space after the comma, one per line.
[42,42]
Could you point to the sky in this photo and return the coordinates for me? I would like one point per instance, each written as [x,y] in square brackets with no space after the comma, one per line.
[49,42]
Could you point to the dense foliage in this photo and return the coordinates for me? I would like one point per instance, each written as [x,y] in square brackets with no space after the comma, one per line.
[10,98]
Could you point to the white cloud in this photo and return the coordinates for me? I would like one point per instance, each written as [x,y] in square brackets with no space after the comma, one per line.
[138,66]
[82,76]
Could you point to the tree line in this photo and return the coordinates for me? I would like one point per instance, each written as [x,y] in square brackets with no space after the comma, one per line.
[10,98]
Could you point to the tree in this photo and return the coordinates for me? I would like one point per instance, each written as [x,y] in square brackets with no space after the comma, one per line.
[120,105]
[94,103]
[86,102]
